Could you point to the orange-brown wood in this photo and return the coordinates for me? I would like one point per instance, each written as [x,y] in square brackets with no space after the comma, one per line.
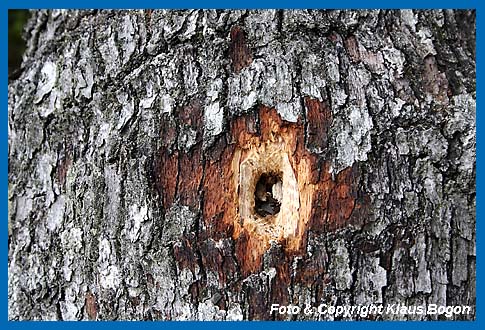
[227,173]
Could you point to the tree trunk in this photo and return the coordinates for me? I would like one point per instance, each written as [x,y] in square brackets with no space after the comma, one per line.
[210,164]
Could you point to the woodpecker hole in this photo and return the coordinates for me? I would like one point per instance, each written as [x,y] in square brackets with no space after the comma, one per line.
[268,194]
[269,199]
[273,156]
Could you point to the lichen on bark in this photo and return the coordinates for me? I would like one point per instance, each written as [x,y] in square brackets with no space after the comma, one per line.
[121,129]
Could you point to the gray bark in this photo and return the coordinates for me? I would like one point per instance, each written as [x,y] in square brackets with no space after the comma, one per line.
[94,235]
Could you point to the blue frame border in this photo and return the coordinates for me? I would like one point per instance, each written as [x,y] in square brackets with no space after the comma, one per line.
[354,4]
[269,4]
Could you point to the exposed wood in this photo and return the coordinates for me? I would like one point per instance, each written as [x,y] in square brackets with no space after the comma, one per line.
[239,51]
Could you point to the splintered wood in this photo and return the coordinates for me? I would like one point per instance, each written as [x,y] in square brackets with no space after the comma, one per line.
[227,174]
[311,200]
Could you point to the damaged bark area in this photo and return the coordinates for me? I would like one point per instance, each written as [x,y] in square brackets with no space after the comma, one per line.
[239,51]
[307,187]
[260,146]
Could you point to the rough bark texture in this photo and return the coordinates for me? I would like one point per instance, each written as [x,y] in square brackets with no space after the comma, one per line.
[130,133]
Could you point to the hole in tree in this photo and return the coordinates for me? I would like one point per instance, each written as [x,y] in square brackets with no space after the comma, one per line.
[268,194]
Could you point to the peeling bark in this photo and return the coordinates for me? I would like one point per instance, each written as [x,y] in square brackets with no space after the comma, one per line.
[137,138]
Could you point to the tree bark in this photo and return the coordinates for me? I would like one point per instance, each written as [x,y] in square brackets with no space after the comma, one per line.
[137,139]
